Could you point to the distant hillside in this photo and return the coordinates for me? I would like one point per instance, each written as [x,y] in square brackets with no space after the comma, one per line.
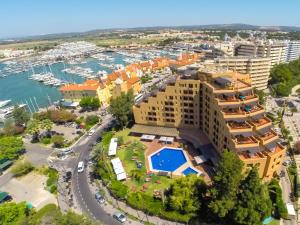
[235,26]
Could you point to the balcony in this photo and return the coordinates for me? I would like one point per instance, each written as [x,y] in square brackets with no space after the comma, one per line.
[234,113]
[261,123]
[254,110]
[228,85]
[245,142]
[228,100]
[248,98]
[235,100]
[267,137]
[239,126]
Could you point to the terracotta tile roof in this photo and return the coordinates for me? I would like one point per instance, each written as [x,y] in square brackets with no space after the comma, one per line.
[89,85]
[132,81]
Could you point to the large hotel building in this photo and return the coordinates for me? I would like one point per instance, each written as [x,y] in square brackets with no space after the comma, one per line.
[277,51]
[222,105]
[257,67]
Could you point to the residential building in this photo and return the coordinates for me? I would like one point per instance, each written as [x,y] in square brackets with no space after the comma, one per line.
[293,50]
[223,105]
[275,50]
[257,67]
[74,92]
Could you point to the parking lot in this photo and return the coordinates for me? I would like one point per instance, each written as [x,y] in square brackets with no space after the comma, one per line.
[30,188]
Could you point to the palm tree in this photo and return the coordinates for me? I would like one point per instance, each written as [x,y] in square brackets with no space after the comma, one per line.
[33,128]
[47,125]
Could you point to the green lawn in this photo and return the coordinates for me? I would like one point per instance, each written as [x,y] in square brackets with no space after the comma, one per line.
[131,152]
[274,222]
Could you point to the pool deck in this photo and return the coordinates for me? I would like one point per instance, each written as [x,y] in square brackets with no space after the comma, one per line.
[189,152]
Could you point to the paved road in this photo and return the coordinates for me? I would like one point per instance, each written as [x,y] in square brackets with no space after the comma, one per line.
[80,181]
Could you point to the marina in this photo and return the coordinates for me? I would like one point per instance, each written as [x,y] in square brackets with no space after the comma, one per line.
[35,81]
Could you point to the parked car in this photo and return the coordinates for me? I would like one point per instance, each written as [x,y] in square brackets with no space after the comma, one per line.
[67,176]
[80,167]
[120,217]
[99,198]
[91,132]
[287,162]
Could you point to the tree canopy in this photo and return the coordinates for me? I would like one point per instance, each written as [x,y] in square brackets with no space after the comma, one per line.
[254,203]
[226,183]
[10,147]
[121,108]
[19,214]
[284,77]
[89,103]
[20,115]
[184,194]
[13,213]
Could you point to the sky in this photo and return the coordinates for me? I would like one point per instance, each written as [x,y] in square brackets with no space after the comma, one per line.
[34,17]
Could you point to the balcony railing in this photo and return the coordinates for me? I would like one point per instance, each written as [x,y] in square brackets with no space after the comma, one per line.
[239,126]
[243,142]
[268,137]
[261,123]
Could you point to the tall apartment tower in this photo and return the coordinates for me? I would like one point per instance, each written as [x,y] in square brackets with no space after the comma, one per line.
[293,50]
[277,51]
[257,67]
[223,105]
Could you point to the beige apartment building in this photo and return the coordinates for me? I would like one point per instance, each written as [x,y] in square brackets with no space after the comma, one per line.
[257,67]
[277,51]
[223,105]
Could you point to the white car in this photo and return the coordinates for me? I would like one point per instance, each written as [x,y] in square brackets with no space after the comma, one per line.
[80,167]
[120,217]
[91,132]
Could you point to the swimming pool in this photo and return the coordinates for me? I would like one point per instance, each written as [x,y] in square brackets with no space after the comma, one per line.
[189,171]
[168,159]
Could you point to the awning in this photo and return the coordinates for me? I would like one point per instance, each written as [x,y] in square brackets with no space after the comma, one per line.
[290,209]
[166,139]
[3,195]
[271,146]
[115,162]
[119,170]
[112,150]
[5,164]
[154,130]
[121,176]
[200,159]
[148,137]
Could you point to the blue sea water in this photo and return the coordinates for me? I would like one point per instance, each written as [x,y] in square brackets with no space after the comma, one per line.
[168,159]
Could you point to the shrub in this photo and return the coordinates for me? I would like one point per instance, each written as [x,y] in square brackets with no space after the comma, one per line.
[58,141]
[119,189]
[53,189]
[153,206]
[276,197]
[91,120]
[46,140]
[21,168]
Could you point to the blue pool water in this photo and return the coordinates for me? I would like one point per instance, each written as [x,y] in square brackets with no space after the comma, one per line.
[268,220]
[189,171]
[168,159]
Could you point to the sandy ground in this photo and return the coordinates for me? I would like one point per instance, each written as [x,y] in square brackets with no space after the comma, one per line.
[30,188]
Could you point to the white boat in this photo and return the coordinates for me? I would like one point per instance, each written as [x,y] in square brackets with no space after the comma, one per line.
[6,113]
[4,103]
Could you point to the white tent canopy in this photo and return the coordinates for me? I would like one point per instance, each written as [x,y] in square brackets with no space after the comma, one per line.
[112,150]
[200,159]
[146,137]
[118,168]
[166,139]
[121,176]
